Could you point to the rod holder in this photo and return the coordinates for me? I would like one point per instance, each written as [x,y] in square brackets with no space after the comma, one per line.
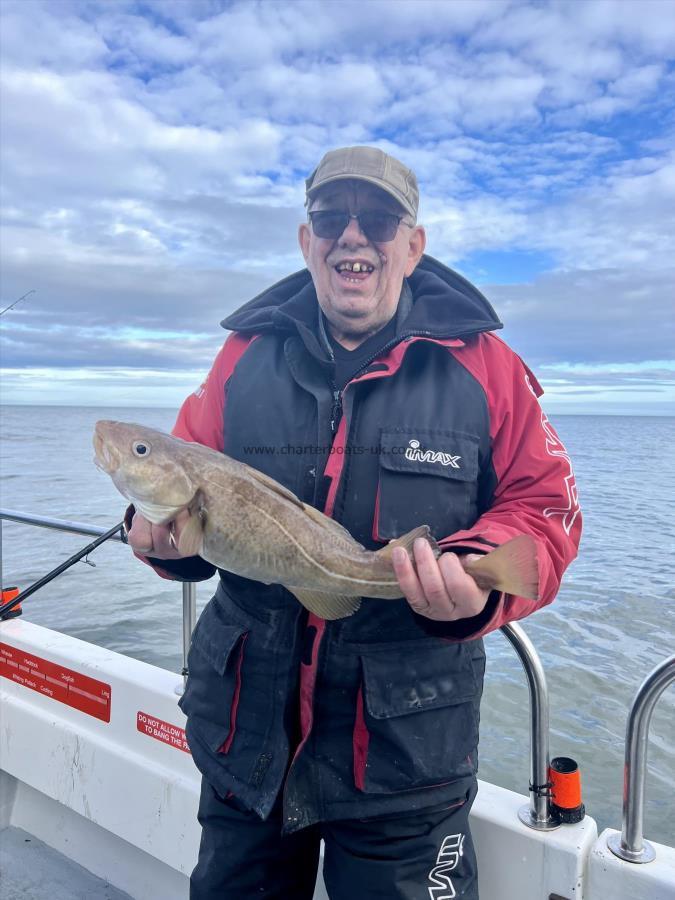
[631,846]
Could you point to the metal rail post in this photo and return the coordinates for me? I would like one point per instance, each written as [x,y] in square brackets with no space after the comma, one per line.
[189,619]
[537,814]
[631,846]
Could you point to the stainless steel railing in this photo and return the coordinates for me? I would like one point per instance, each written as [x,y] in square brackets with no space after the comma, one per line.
[630,845]
[536,815]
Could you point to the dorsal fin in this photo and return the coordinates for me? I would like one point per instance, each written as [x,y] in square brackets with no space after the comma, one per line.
[407,540]
[330,525]
[273,485]
[324,521]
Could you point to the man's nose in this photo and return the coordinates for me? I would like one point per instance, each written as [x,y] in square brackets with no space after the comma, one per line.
[352,235]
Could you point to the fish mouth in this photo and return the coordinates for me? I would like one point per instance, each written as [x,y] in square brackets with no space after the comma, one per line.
[105,458]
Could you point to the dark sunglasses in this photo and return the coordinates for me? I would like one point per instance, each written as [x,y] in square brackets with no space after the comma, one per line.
[377,226]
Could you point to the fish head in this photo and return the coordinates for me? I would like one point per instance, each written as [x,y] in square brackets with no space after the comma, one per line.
[146,466]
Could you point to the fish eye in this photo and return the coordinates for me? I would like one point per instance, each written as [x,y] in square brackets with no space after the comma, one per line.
[140,448]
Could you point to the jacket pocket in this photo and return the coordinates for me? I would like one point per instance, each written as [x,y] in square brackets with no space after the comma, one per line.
[416,720]
[427,477]
[211,695]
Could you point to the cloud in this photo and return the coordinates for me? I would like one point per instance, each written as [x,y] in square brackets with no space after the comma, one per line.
[595,316]
[154,157]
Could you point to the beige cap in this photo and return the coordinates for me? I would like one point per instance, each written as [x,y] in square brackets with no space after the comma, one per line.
[371,165]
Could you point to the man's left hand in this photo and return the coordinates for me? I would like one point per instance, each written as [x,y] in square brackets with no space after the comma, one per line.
[440,589]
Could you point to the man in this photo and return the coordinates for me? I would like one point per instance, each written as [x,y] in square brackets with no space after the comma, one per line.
[371,385]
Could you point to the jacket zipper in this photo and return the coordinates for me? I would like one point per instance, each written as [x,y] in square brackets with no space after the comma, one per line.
[387,347]
[336,410]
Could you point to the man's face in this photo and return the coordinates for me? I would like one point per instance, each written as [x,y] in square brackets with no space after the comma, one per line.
[357,304]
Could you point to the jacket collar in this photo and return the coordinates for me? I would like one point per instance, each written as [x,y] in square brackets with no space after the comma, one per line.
[441,304]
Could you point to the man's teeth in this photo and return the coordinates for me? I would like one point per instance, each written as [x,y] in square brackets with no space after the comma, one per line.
[354,267]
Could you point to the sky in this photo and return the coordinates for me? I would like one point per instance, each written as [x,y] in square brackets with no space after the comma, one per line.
[154,156]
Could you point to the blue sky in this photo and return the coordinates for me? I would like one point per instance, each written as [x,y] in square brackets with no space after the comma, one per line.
[154,156]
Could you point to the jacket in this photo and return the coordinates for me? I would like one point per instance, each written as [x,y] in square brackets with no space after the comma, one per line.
[376,713]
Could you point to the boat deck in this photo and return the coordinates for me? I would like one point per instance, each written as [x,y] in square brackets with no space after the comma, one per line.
[31,870]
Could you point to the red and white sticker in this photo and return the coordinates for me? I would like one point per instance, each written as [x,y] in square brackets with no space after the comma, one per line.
[56,681]
[162,731]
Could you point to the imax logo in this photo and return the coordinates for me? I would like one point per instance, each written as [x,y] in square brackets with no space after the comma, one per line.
[414,454]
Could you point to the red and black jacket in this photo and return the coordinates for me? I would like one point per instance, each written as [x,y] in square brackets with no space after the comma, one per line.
[376,713]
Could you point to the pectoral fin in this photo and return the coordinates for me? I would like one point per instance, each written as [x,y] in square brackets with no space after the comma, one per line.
[326,606]
[192,534]
[191,537]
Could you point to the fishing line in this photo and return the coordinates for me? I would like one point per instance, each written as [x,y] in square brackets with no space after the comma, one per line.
[6,608]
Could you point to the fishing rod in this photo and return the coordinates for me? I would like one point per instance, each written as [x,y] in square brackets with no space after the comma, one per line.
[12,305]
[8,609]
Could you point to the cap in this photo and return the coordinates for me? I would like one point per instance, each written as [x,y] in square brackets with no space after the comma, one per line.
[367,164]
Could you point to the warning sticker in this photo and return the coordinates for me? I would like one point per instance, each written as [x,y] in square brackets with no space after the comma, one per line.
[56,681]
[162,731]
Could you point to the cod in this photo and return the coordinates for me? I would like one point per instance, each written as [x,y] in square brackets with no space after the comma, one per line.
[245,522]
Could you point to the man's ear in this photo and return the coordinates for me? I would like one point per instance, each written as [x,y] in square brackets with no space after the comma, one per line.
[416,244]
[303,239]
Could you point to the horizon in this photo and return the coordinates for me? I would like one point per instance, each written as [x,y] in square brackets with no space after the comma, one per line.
[553,412]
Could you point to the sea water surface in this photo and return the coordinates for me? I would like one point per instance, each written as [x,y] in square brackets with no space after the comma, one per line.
[613,620]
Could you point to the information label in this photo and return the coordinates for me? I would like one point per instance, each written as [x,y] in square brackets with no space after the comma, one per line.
[56,681]
[162,731]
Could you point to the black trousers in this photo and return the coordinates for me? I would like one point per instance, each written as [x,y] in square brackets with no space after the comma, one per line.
[415,856]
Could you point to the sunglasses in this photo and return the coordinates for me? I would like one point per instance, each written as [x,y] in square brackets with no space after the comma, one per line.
[377,226]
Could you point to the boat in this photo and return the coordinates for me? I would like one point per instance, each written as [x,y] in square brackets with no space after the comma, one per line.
[99,794]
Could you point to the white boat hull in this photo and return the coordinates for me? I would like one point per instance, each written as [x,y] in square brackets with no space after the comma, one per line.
[120,797]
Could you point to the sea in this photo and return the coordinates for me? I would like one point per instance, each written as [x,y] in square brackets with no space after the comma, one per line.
[612,622]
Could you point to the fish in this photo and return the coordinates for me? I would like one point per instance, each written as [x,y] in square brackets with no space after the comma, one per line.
[245,522]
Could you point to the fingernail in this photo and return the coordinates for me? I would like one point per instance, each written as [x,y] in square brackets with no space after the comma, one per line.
[419,544]
[398,554]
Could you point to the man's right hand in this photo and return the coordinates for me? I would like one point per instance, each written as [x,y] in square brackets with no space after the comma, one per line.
[158,541]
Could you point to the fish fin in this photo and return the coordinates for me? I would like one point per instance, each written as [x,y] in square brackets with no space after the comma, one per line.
[274,485]
[192,536]
[511,568]
[407,540]
[330,525]
[327,606]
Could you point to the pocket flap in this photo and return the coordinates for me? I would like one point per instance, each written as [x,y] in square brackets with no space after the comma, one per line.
[215,640]
[417,680]
[450,454]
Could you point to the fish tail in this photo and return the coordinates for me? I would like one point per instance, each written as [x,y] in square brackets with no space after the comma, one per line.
[511,568]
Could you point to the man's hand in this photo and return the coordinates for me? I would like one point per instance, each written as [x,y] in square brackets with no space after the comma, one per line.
[440,589]
[158,541]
